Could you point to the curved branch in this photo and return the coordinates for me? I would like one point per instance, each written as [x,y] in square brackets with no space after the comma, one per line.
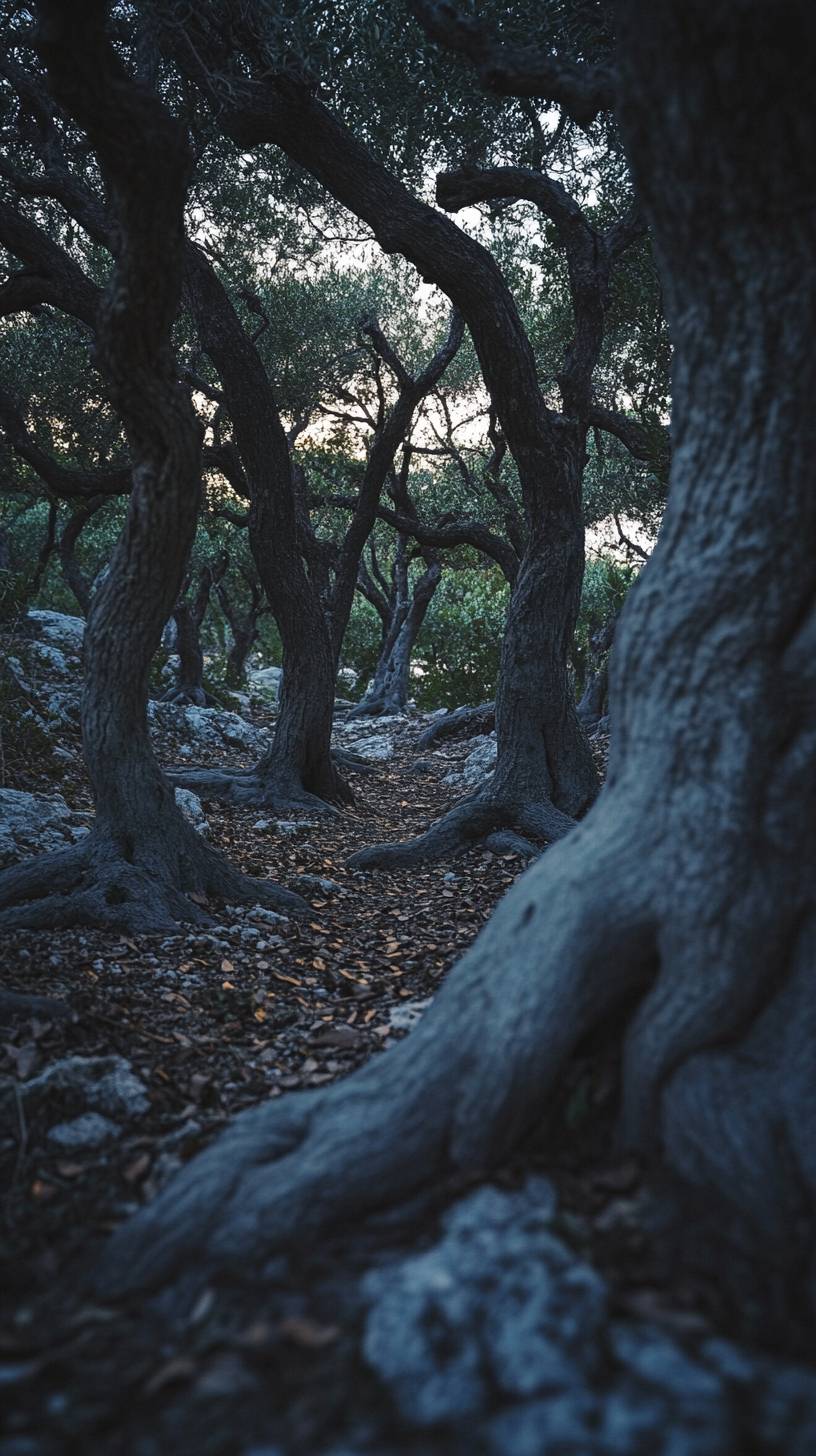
[455,533]
[650,443]
[50,274]
[67,483]
[582,91]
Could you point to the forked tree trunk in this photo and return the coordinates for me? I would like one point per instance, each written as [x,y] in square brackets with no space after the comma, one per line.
[188,618]
[545,776]
[80,584]
[142,859]
[243,627]
[690,884]
[392,677]
[189,686]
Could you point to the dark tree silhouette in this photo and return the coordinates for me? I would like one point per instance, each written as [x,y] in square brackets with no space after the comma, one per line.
[142,859]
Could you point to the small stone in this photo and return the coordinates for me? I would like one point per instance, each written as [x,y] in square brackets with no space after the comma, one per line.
[91,1130]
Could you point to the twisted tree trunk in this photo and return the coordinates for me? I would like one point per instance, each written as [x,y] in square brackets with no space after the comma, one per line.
[188,618]
[391,684]
[80,584]
[142,859]
[690,884]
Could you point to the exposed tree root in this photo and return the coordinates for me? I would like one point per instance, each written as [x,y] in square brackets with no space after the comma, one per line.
[249,787]
[562,950]
[506,841]
[146,886]
[189,697]
[480,817]
[353,762]
[580,934]
[465,721]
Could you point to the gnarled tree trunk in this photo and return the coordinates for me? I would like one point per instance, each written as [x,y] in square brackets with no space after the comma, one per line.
[391,683]
[688,891]
[140,861]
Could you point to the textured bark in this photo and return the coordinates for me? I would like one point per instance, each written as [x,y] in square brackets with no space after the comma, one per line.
[141,859]
[688,890]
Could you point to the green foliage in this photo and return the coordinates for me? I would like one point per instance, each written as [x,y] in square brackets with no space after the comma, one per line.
[25,747]
[459,647]
[14,592]
[361,644]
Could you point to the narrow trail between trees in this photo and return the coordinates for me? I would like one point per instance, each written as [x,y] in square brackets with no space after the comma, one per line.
[162,1039]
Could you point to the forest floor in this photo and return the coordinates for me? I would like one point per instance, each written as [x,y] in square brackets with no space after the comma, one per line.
[216,1021]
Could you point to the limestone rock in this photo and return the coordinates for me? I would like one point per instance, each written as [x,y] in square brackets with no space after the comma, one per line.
[35,824]
[64,631]
[190,806]
[101,1084]
[206,727]
[90,1130]
[478,766]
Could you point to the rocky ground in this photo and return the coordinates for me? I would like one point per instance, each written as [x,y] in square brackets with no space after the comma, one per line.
[543,1313]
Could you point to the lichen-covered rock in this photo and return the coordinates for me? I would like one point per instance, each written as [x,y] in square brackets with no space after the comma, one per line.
[206,727]
[374,747]
[101,1084]
[370,727]
[66,632]
[35,824]
[265,682]
[501,1335]
[89,1130]
[477,767]
[498,1302]
[190,806]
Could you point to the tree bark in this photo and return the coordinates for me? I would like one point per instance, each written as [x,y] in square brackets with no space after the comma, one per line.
[298,769]
[188,618]
[142,859]
[391,684]
[688,891]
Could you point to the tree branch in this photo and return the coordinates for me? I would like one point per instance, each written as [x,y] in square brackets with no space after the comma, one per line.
[582,91]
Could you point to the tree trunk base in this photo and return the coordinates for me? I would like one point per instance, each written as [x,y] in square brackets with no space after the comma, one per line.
[249,788]
[109,883]
[379,706]
[189,697]
[461,722]
[485,817]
